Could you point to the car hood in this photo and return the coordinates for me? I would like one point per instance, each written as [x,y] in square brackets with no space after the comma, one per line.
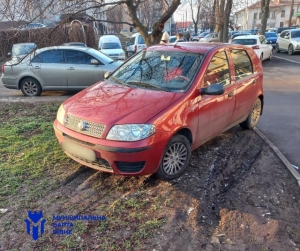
[296,39]
[112,51]
[109,103]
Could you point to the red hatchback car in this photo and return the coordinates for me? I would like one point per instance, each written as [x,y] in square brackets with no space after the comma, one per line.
[150,113]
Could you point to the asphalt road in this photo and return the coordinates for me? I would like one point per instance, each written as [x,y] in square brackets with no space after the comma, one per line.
[281,117]
[280,121]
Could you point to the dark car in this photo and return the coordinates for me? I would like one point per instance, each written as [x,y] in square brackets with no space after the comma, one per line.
[272,38]
[157,107]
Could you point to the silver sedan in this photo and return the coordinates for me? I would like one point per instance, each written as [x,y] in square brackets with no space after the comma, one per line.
[59,68]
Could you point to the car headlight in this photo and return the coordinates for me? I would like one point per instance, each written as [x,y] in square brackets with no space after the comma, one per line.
[130,132]
[60,116]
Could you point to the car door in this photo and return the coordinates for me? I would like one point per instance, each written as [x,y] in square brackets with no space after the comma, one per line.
[50,68]
[215,111]
[284,41]
[80,71]
[265,50]
[245,81]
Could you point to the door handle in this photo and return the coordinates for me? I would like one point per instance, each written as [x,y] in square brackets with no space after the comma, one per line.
[254,81]
[71,69]
[37,67]
[230,94]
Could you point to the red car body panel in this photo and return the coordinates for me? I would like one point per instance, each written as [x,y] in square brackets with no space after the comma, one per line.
[201,117]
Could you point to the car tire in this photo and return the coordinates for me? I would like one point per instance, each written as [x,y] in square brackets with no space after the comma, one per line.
[277,48]
[291,50]
[253,117]
[269,58]
[30,87]
[175,159]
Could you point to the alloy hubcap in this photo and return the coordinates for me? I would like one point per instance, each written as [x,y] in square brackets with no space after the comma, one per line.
[175,158]
[30,88]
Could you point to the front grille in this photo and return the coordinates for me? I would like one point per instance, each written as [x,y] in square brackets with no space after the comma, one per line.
[84,126]
[101,163]
[130,167]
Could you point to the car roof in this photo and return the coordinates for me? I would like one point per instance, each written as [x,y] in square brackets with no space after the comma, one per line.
[79,48]
[193,47]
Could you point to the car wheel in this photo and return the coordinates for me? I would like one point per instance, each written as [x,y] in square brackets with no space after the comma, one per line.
[175,159]
[31,87]
[253,117]
[291,50]
[269,58]
[277,48]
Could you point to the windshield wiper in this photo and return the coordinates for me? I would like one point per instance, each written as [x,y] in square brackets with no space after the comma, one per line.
[119,81]
[148,84]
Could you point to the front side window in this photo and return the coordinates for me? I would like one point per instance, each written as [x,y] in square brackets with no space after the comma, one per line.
[78,57]
[141,40]
[218,70]
[295,34]
[159,70]
[242,64]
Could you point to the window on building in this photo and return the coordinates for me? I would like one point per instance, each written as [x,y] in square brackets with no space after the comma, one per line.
[259,15]
[255,16]
[293,12]
[283,13]
[281,24]
[273,14]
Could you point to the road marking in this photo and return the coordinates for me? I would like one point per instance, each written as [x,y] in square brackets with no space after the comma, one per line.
[287,59]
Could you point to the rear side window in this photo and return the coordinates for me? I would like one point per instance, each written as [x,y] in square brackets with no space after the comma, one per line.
[50,57]
[132,40]
[242,64]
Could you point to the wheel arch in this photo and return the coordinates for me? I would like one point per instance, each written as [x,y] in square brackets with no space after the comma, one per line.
[20,81]
[186,132]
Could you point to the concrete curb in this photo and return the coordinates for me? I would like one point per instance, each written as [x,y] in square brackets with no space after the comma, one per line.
[280,155]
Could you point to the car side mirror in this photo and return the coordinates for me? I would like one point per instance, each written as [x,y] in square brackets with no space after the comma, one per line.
[286,37]
[9,55]
[213,89]
[94,62]
[106,74]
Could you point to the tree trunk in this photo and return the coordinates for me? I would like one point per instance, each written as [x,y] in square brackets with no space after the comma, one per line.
[226,20]
[221,19]
[265,14]
[291,13]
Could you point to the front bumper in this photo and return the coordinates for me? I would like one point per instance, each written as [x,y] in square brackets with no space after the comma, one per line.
[125,158]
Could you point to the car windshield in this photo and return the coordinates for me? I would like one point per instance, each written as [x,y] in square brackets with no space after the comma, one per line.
[270,34]
[159,70]
[203,34]
[244,41]
[295,34]
[21,49]
[208,35]
[107,46]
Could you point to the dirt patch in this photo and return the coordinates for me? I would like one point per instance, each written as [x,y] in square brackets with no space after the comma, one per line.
[235,195]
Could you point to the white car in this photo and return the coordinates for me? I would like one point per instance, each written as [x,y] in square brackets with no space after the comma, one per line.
[211,37]
[257,42]
[111,46]
[289,40]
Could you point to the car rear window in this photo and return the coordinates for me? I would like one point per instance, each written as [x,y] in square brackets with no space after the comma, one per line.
[141,40]
[244,41]
[242,64]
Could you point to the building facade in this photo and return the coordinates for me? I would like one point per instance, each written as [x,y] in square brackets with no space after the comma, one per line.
[279,14]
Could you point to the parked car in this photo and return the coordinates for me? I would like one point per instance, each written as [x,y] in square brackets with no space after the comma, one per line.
[149,114]
[111,46]
[257,42]
[173,39]
[201,35]
[75,44]
[59,68]
[135,44]
[272,38]
[19,51]
[289,40]
[31,26]
[211,37]
[237,34]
